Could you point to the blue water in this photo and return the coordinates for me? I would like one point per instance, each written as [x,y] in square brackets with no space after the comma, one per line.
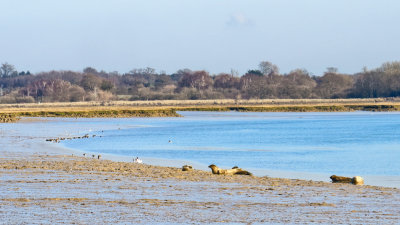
[361,143]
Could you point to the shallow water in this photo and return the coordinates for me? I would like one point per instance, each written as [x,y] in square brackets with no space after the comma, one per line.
[290,145]
[361,143]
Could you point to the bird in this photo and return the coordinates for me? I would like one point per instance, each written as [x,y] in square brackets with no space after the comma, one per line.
[99,156]
[137,160]
[84,154]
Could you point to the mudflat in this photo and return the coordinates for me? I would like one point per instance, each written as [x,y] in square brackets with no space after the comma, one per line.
[43,184]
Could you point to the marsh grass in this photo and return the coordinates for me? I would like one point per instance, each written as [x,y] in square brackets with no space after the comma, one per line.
[169,108]
[214,102]
[101,113]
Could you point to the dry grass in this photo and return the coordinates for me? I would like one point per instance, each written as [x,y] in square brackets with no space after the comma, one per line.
[168,108]
[187,103]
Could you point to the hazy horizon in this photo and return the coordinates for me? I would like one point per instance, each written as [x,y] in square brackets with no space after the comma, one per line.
[215,36]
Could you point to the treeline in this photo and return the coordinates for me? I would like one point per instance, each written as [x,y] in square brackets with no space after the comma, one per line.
[146,84]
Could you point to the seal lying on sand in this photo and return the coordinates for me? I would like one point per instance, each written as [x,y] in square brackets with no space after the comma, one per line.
[235,170]
[357,180]
[187,168]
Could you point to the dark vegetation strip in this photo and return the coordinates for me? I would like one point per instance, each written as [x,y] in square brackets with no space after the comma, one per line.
[171,112]
[103,113]
[13,117]
[327,108]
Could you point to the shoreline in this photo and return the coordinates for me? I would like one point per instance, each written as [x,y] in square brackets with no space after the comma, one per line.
[384,181]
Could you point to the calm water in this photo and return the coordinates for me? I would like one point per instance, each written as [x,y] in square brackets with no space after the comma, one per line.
[360,143]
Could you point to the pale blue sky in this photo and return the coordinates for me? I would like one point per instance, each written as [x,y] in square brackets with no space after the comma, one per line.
[214,35]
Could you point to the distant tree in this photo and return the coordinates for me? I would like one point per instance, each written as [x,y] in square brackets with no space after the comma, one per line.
[149,70]
[76,94]
[144,71]
[47,90]
[381,82]
[137,80]
[297,84]
[390,67]
[367,85]
[90,70]
[162,81]
[179,74]
[72,77]
[7,70]
[57,91]
[332,70]
[106,85]
[234,73]
[255,72]
[256,86]
[146,84]
[90,81]
[391,78]
[200,80]
[225,80]
[267,68]
[334,85]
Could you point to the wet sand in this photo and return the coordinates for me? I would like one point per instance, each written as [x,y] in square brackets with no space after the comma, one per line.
[41,183]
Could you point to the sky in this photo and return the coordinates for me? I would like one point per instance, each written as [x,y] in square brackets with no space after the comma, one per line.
[212,35]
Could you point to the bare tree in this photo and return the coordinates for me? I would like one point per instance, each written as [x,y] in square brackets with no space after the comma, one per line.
[334,85]
[7,70]
[90,82]
[390,67]
[297,84]
[332,69]
[224,80]
[267,68]
[200,80]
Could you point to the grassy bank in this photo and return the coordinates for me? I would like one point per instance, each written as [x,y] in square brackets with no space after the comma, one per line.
[11,113]
[73,113]
[103,113]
